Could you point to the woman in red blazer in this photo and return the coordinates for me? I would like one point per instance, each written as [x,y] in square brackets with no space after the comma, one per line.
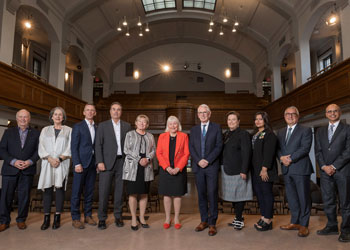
[172,154]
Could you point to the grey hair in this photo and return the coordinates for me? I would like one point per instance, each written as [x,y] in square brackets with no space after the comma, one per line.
[205,106]
[23,110]
[173,119]
[293,107]
[53,111]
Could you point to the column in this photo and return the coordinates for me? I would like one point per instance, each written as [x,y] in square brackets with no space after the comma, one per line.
[57,66]
[302,63]
[7,34]
[276,85]
[345,31]
[87,88]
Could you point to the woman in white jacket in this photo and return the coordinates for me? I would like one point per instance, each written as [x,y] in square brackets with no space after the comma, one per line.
[54,150]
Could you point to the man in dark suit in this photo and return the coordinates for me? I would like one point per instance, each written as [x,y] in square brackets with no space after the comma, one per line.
[205,148]
[84,174]
[294,146]
[333,157]
[19,150]
[110,157]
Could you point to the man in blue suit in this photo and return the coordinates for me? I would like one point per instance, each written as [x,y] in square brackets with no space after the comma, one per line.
[205,149]
[294,146]
[19,150]
[84,175]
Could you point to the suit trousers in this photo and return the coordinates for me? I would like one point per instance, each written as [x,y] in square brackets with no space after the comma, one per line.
[83,183]
[105,186]
[298,196]
[207,188]
[329,185]
[264,194]
[23,183]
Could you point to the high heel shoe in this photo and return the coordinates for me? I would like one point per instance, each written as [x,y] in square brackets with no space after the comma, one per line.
[46,223]
[56,221]
[135,228]
[143,225]
[264,226]
[166,225]
[177,226]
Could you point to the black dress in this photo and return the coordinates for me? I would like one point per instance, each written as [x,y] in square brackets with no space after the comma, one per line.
[139,186]
[172,185]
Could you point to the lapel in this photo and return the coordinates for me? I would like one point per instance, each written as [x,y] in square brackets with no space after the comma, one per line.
[178,144]
[17,138]
[294,132]
[111,128]
[166,143]
[284,134]
[208,131]
[122,134]
[29,135]
[336,133]
[87,130]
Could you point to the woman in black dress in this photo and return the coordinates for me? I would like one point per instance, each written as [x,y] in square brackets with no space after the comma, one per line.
[139,149]
[264,143]
[172,154]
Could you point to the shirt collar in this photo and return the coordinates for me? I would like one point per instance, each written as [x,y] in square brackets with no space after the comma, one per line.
[292,126]
[335,124]
[90,124]
[116,124]
[20,130]
[207,124]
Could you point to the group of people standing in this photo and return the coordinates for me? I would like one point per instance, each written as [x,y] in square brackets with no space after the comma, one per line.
[123,157]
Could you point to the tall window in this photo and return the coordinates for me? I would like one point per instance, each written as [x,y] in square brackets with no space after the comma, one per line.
[154,5]
[327,61]
[36,67]
[200,4]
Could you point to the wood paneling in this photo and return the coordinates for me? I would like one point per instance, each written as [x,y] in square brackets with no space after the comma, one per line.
[18,90]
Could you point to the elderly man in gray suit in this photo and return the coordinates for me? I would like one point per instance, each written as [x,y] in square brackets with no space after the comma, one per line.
[109,146]
[294,146]
[333,157]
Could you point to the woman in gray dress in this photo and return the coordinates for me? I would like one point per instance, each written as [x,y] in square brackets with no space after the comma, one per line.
[236,185]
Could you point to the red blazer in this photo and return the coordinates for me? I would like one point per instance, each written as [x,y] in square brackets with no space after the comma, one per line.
[182,151]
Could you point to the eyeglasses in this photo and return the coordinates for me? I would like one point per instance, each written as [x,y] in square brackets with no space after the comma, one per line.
[203,113]
[290,114]
[332,111]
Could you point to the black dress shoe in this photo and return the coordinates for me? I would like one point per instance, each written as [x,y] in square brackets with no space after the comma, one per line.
[135,228]
[46,223]
[328,231]
[344,237]
[102,225]
[119,222]
[263,226]
[144,225]
[56,221]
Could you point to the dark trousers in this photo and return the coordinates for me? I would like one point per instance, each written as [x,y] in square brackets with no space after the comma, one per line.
[239,207]
[329,185]
[298,196]
[105,183]
[47,199]
[83,181]
[23,183]
[264,194]
[207,188]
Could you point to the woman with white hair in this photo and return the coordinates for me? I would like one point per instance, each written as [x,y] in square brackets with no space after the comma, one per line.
[172,154]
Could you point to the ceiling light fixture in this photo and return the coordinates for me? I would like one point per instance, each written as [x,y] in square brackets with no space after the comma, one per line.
[236,22]
[166,68]
[332,19]
[210,29]
[127,31]
[27,24]
[140,33]
[125,23]
[228,73]
[147,28]
[119,28]
[136,74]
[221,32]
[139,22]
[211,23]
[234,30]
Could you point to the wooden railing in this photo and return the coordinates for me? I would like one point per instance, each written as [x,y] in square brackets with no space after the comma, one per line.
[333,86]
[19,90]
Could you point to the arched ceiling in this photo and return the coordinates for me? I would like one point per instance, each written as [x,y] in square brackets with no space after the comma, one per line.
[260,21]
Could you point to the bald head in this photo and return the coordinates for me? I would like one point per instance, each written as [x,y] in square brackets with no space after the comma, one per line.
[23,118]
[333,113]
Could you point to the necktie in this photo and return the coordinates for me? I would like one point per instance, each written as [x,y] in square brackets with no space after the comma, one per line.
[289,133]
[330,133]
[204,131]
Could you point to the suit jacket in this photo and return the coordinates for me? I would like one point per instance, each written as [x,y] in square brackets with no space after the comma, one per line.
[213,145]
[106,147]
[10,148]
[337,152]
[81,145]
[264,155]
[237,152]
[298,147]
[181,150]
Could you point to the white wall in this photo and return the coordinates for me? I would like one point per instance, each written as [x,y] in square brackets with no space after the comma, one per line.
[213,62]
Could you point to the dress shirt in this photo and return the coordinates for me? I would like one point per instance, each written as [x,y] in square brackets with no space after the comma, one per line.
[291,132]
[335,126]
[116,127]
[206,127]
[92,130]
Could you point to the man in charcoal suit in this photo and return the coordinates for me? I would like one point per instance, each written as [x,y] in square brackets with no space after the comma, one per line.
[205,149]
[19,150]
[109,147]
[333,157]
[294,146]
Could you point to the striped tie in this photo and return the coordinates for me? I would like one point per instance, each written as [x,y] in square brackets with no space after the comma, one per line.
[330,133]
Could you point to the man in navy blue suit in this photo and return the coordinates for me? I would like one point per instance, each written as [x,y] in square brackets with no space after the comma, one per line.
[294,146]
[19,150]
[205,149]
[84,173]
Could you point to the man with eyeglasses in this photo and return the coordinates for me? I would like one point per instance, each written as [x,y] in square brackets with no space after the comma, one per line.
[294,146]
[205,149]
[333,157]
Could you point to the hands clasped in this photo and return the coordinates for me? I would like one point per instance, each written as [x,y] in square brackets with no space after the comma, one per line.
[286,160]
[329,170]
[203,163]
[21,165]
[172,171]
